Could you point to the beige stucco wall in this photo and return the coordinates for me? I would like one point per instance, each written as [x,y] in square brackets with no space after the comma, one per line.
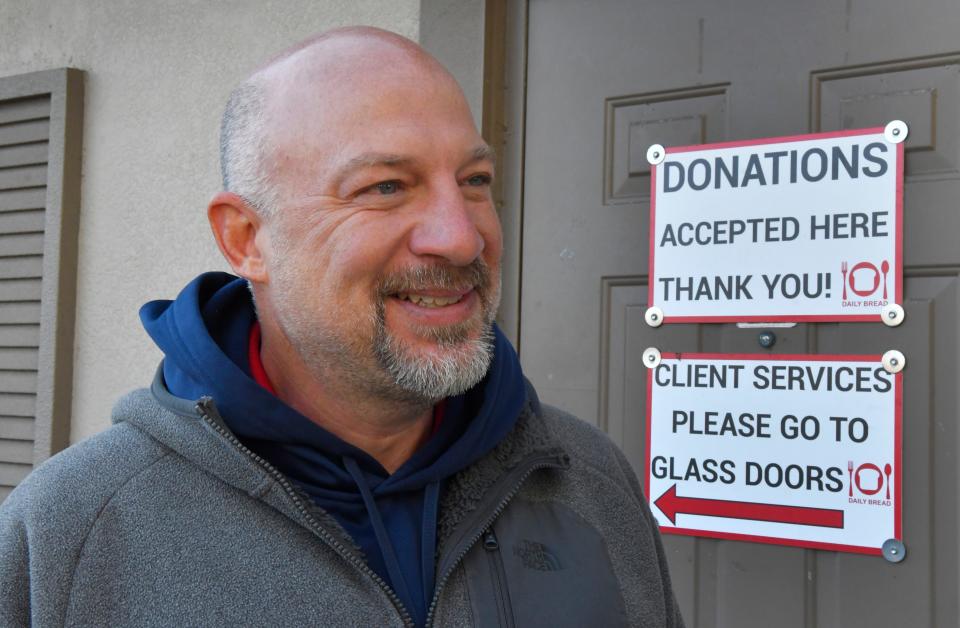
[158,74]
[453,31]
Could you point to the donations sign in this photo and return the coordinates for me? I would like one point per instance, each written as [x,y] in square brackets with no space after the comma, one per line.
[791,450]
[804,228]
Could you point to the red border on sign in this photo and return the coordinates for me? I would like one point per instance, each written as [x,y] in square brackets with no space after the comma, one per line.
[760,141]
[781,318]
[772,540]
[651,284]
[787,357]
[646,444]
[898,260]
[897,453]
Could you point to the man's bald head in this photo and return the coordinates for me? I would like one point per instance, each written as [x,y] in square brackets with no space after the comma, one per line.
[340,61]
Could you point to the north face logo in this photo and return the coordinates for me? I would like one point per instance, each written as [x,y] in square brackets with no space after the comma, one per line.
[536,556]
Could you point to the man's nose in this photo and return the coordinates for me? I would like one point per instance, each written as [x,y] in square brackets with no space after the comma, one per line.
[447,227]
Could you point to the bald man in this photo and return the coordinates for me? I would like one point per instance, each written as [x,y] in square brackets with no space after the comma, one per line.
[339,435]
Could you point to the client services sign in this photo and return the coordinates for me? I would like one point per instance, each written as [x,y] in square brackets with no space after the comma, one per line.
[804,228]
[798,450]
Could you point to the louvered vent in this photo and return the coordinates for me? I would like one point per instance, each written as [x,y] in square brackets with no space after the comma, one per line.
[24,133]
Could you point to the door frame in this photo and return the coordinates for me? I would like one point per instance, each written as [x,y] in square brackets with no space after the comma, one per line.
[504,128]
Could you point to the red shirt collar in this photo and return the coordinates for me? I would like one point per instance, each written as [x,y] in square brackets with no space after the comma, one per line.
[256,365]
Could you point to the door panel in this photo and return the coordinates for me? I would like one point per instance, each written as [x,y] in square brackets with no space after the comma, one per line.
[604,80]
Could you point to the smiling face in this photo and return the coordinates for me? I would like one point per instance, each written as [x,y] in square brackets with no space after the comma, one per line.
[384,257]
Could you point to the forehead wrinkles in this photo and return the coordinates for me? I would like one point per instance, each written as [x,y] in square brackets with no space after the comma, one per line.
[325,85]
[317,95]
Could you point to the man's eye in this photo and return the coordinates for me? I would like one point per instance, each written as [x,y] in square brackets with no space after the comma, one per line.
[478,180]
[387,187]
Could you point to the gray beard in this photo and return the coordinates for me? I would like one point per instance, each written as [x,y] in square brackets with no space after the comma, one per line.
[464,363]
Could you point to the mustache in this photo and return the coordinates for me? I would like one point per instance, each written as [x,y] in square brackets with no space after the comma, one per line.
[476,275]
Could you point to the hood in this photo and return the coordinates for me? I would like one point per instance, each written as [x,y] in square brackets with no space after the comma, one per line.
[204,332]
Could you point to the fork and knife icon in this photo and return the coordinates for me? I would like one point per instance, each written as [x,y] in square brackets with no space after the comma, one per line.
[843,271]
[879,276]
[854,478]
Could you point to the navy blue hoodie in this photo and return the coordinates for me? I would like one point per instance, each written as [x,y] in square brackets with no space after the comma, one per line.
[205,334]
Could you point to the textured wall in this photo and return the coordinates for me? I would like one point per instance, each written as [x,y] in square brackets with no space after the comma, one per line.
[158,74]
[452,30]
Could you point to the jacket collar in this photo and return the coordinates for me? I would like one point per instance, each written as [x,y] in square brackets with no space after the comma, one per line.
[474,494]
[194,431]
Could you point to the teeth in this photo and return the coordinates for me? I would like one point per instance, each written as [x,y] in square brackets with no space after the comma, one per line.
[425,301]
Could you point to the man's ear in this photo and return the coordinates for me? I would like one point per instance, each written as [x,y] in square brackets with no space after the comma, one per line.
[235,225]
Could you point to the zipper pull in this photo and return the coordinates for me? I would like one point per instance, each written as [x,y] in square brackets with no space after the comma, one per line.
[490,542]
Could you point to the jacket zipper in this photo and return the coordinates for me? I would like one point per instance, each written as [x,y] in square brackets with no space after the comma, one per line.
[207,412]
[534,464]
[499,575]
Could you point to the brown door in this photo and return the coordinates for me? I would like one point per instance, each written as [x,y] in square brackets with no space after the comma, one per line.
[607,78]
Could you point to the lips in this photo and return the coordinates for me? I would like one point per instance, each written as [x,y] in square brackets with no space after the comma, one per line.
[437,295]
[434,308]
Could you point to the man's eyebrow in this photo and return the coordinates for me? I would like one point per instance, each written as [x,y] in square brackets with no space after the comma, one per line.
[369,160]
[484,152]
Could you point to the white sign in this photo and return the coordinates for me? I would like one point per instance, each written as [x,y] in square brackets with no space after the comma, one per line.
[804,228]
[792,450]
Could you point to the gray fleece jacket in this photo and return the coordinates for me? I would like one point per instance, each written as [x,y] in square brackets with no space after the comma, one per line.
[166,519]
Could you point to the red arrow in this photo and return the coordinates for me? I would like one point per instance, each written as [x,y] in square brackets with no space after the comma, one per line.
[670,504]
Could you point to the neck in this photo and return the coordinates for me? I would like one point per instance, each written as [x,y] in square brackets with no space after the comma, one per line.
[387,430]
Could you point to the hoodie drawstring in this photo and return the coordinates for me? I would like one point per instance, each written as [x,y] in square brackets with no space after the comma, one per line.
[383,539]
[431,503]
